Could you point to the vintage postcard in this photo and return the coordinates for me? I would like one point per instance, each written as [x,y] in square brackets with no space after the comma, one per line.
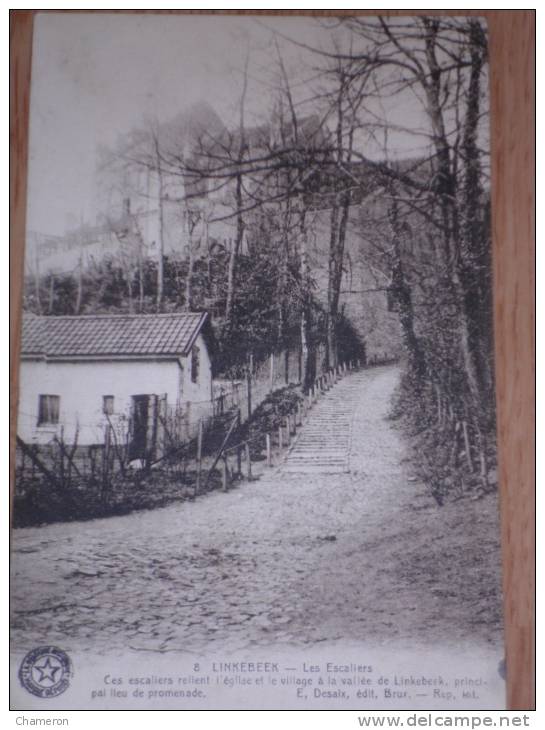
[256,458]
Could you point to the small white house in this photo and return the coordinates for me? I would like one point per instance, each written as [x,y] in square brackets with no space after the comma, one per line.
[79,374]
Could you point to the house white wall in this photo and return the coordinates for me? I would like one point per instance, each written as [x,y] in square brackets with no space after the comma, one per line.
[198,394]
[82,384]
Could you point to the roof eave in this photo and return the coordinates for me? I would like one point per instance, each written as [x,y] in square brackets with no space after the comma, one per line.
[167,356]
[196,333]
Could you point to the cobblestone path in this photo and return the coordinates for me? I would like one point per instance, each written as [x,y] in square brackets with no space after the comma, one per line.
[290,559]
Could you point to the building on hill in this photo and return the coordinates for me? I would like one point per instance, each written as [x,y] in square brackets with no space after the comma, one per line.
[194,217]
[140,216]
[132,372]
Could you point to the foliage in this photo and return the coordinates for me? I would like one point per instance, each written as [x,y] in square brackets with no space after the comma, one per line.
[269,415]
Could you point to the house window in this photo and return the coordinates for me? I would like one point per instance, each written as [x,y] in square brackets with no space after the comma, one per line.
[48,409]
[195,364]
[108,405]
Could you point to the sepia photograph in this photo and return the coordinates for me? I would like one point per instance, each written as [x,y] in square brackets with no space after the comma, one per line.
[256,456]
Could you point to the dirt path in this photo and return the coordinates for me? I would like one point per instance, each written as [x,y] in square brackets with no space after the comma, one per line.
[290,559]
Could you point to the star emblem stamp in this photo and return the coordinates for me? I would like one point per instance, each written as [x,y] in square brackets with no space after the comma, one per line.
[46,671]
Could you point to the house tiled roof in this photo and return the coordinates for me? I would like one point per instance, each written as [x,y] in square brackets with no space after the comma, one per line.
[110,335]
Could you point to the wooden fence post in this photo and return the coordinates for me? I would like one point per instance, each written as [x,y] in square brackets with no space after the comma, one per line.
[188,420]
[288,439]
[106,459]
[249,389]
[151,432]
[69,457]
[239,457]
[224,474]
[61,459]
[199,459]
[280,445]
[220,452]
[92,459]
[272,372]
[268,447]
[248,460]
[33,454]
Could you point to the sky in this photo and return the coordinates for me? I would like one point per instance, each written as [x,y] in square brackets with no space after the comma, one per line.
[95,76]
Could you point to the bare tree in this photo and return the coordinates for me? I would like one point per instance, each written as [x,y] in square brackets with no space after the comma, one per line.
[442,62]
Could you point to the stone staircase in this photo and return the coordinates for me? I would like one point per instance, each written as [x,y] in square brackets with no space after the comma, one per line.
[322,446]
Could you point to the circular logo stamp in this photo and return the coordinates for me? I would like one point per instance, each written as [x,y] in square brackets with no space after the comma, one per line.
[46,671]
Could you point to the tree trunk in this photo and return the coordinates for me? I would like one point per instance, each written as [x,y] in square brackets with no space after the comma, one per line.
[140,263]
[128,275]
[336,260]
[402,295]
[308,366]
[235,250]
[452,231]
[140,285]
[475,243]
[36,281]
[80,286]
[51,293]
[190,266]
[161,242]
[331,344]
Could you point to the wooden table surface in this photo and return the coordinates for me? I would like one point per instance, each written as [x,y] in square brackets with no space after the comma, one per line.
[512,63]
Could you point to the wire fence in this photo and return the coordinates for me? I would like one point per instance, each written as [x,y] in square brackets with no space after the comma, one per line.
[186,451]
